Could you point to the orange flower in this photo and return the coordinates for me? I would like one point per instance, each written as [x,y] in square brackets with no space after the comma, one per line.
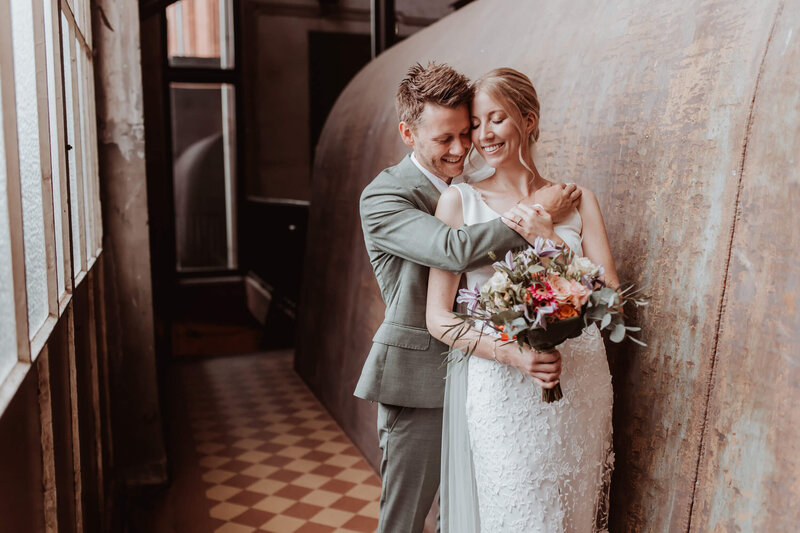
[566,311]
[504,336]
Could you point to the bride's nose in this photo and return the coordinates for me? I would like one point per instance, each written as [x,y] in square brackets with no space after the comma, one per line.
[484,133]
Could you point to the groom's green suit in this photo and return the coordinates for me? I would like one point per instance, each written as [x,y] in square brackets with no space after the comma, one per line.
[403,369]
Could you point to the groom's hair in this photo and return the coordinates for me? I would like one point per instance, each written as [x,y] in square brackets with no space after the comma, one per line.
[438,84]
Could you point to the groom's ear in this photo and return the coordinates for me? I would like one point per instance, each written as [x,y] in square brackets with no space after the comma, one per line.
[406,134]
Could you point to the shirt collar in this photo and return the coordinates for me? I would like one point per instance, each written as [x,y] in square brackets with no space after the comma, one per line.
[438,182]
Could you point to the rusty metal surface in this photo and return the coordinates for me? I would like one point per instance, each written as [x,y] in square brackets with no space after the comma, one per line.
[648,105]
[750,468]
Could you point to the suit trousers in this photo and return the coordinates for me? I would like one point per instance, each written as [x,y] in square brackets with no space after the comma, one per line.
[411,440]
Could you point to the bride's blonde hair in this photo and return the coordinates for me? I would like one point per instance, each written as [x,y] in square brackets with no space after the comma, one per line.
[514,92]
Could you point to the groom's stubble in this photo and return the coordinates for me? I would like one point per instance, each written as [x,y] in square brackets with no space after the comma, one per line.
[440,139]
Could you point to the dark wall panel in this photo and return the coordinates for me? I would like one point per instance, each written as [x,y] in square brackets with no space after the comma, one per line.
[63,443]
[21,478]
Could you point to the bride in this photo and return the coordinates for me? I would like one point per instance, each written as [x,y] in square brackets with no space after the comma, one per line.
[512,463]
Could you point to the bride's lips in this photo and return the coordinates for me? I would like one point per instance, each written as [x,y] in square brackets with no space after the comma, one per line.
[489,149]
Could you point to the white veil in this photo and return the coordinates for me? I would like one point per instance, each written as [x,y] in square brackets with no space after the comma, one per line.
[458,496]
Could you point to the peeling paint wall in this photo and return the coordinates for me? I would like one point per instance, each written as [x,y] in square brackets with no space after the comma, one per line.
[139,450]
[682,118]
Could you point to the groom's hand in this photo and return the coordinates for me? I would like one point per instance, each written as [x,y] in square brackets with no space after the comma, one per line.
[530,222]
[558,199]
[543,367]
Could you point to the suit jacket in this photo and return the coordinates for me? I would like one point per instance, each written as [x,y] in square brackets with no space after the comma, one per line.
[403,239]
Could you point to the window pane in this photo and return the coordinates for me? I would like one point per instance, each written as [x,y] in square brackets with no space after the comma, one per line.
[203,153]
[29,162]
[77,253]
[98,213]
[8,321]
[83,137]
[199,33]
[55,143]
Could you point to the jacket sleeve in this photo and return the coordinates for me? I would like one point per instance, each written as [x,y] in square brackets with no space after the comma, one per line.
[395,225]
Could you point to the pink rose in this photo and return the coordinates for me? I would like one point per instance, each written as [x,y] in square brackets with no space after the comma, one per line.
[578,294]
[560,287]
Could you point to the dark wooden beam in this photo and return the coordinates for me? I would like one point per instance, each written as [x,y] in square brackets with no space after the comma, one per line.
[384,25]
[148,8]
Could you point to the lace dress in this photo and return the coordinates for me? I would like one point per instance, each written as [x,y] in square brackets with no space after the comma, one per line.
[539,467]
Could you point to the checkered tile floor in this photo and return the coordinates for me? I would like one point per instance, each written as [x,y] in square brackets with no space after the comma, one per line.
[272,457]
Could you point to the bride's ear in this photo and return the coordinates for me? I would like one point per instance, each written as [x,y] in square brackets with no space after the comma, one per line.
[406,134]
[530,123]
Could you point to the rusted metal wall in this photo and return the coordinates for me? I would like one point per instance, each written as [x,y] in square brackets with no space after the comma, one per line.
[750,467]
[682,117]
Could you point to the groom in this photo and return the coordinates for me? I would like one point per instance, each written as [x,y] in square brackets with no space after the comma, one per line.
[403,370]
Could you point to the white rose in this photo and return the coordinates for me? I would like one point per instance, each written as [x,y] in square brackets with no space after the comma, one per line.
[499,282]
[581,266]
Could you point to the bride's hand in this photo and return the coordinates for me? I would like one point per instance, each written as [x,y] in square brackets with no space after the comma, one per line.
[530,222]
[543,367]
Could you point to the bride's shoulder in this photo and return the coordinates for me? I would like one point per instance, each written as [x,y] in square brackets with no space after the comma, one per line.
[587,193]
[450,198]
[449,209]
[588,203]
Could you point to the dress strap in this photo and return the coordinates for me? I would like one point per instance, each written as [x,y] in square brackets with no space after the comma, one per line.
[473,207]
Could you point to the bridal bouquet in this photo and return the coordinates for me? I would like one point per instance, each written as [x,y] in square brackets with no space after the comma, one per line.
[542,296]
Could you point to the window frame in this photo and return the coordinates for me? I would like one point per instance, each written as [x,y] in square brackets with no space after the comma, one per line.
[231,76]
[52,127]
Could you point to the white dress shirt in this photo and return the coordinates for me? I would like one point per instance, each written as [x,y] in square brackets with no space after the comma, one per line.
[438,182]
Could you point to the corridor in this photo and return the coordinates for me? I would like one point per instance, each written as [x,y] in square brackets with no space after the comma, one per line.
[257,452]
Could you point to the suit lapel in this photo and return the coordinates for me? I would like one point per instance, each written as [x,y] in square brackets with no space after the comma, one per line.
[417,180]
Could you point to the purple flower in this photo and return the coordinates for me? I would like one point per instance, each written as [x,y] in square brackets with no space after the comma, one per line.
[525,311]
[471,297]
[544,247]
[541,313]
[510,260]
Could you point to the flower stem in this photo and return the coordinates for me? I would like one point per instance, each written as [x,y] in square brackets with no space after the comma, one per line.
[552,395]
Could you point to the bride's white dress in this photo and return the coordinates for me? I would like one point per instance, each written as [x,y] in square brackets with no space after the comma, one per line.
[537,467]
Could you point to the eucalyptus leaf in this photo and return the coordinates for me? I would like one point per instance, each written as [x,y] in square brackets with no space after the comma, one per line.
[607,294]
[605,321]
[597,313]
[535,269]
[618,333]
[505,317]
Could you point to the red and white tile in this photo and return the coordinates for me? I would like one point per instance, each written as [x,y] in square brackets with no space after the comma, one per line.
[272,458]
